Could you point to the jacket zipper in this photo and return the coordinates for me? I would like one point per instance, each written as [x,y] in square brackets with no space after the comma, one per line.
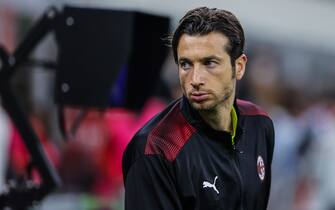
[236,167]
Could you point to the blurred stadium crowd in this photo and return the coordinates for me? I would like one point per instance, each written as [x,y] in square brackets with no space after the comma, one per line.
[293,83]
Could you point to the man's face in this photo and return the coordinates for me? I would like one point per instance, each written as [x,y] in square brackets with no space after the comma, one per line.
[205,71]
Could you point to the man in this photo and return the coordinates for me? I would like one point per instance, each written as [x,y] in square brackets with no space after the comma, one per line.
[207,150]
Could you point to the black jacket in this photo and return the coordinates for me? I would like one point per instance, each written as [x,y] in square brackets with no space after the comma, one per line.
[177,162]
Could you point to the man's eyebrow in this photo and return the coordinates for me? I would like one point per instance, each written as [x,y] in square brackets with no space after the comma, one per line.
[211,57]
[183,59]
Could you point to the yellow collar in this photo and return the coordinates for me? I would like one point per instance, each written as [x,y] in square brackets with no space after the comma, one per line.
[234,120]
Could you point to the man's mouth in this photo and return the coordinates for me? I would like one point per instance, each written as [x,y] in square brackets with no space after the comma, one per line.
[199,96]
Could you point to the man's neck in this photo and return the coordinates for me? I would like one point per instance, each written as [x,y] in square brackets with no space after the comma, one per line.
[220,118]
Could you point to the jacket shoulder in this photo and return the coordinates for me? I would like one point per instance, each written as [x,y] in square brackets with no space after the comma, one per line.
[169,135]
[250,109]
[165,135]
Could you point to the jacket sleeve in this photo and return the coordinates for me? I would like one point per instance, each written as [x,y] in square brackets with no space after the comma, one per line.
[149,185]
[270,139]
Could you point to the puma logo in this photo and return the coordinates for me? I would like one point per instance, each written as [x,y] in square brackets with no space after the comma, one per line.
[210,185]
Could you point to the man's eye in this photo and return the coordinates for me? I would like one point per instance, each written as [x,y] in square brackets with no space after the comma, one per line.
[185,65]
[210,64]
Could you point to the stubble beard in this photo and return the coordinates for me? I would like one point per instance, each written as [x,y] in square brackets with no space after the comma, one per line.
[215,104]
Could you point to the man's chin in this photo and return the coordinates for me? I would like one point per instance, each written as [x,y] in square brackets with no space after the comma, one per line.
[204,106]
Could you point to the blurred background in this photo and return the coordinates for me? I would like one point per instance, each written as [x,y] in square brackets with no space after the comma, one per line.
[86,90]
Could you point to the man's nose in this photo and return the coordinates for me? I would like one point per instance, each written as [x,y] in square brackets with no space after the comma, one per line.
[197,78]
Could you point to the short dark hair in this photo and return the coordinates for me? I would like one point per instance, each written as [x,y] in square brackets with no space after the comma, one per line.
[203,20]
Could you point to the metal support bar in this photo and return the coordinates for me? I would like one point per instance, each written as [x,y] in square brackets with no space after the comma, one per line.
[50,178]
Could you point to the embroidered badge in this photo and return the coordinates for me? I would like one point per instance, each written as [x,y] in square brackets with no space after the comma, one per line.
[260,168]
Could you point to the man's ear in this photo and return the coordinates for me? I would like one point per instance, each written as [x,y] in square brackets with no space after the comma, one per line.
[240,64]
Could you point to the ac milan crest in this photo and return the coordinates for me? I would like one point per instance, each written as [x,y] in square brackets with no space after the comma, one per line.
[260,168]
